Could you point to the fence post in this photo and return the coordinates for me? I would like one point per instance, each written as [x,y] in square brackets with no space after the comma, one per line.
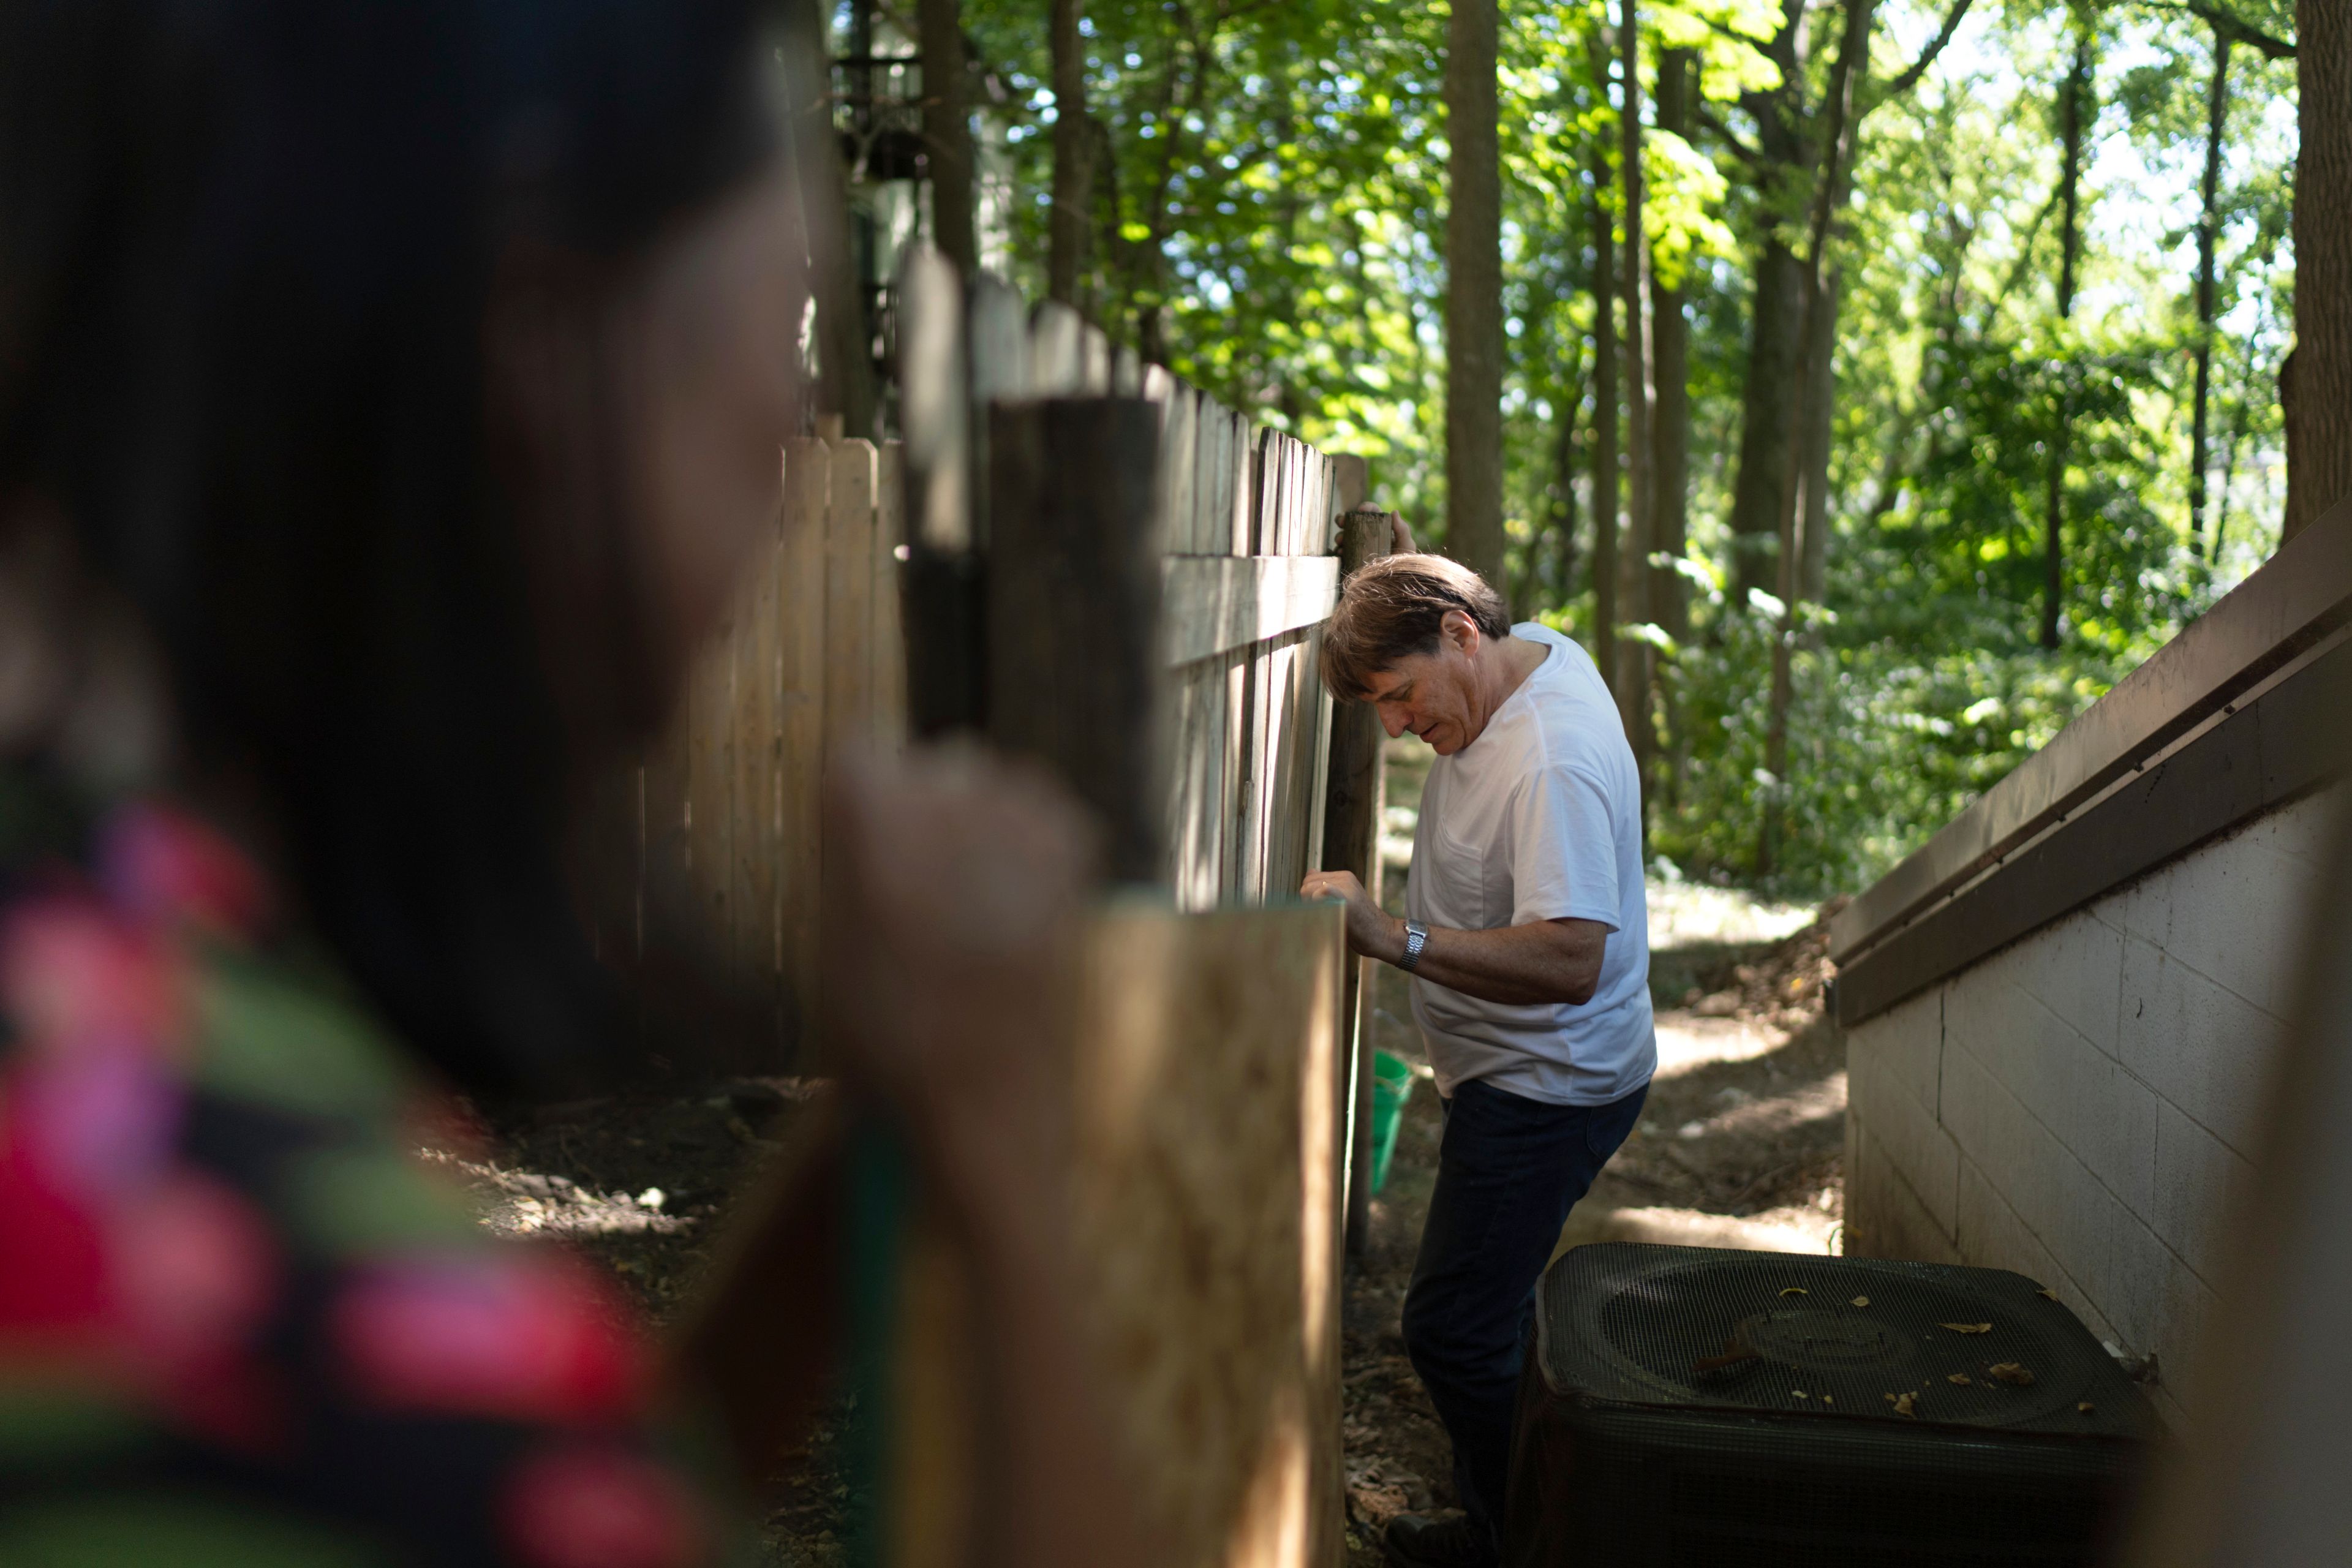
[1352,836]
[1073,615]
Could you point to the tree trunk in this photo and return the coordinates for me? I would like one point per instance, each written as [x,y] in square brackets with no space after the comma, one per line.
[1633,659]
[1564,486]
[2070,239]
[1073,157]
[2229,472]
[1474,295]
[947,132]
[2216,115]
[2319,410]
[1604,402]
[1846,75]
[1670,415]
[1775,322]
[1820,398]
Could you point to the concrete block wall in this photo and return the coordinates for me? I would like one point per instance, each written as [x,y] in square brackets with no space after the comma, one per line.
[2081,1107]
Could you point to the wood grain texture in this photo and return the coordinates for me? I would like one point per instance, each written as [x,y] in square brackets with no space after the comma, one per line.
[1240,505]
[1072,609]
[1232,771]
[1353,800]
[1212,531]
[849,599]
[1179,458]
[1204,1078]
[1214,603]
[757,946]
[887,632]
[709,789]
[800,575]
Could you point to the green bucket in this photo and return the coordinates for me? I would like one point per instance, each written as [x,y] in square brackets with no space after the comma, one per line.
[1391,1086]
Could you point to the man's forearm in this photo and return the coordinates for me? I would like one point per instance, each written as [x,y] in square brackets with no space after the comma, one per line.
[1516,966]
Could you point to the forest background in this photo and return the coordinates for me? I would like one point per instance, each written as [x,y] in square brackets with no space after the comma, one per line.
[1922,380]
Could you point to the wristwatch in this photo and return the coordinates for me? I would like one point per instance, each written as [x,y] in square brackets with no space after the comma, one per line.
[1416,937]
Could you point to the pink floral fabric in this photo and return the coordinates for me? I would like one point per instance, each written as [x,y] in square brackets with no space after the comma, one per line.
[213,1337]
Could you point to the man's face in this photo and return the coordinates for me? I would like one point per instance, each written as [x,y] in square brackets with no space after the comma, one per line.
[1432,695]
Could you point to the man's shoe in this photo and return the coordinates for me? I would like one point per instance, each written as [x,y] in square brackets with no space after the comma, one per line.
[1414,1541]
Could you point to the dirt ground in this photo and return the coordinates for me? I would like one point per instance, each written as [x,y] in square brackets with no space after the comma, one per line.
[1739,1145]
[639,1184]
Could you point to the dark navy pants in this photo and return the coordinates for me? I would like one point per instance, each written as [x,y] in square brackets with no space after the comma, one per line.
[1508,1170]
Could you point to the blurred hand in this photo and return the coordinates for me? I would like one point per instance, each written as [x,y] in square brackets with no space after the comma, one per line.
[1401,537]
[953,890]
[1370,929]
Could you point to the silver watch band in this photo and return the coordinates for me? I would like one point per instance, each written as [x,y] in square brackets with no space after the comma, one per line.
[1416,937]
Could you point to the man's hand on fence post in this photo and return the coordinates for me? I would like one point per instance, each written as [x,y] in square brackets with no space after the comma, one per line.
[1371,930]
[1401,537]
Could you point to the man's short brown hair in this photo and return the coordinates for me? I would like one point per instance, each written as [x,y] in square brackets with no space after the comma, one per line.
[1392,609]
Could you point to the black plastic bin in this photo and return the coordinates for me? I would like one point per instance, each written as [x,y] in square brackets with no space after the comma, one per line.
[1691,1407]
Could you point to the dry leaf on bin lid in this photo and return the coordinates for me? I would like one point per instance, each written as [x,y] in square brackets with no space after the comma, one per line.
[1967,1328]
[2086,1407]
[1862,1300]
[2010,1372]
[2045,1290]
[1963,1379]
[1904,1403]
[1796,1290]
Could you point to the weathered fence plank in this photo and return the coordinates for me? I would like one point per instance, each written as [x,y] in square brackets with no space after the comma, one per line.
[1350,842]
[849,594]
[799,564]
[1072,609]
[1220,602]
[885,635]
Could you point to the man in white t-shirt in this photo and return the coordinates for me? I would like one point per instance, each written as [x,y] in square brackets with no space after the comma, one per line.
[1527,937]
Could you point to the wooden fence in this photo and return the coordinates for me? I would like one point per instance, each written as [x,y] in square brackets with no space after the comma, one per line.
[701,865]
[1105,568]
[698,866]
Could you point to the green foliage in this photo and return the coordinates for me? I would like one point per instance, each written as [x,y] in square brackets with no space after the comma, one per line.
[1888,735]
[1269,215]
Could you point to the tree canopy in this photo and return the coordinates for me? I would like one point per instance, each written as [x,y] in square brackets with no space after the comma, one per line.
[2017,490]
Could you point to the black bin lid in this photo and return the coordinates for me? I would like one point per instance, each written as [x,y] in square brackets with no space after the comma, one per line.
[1638,1326]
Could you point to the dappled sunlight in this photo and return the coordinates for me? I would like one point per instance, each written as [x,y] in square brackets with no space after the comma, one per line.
[516,1202]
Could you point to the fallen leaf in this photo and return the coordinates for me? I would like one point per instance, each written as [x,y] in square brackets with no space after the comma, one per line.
[1904,1403]
[1963,1379]
[1796,1393]
[1862,1300]
[1967,1328]
[1827,1400]
[2010,1372]
[2086,1407]
[2045,1290]
[1796,1290]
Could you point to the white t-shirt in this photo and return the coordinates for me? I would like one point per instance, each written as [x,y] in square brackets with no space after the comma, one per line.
[1539,818]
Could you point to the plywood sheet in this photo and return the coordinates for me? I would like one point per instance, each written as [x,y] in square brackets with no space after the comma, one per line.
[1207,1141]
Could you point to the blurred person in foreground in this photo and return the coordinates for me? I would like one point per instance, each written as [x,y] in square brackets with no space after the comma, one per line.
[1527,937]
[390,393]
